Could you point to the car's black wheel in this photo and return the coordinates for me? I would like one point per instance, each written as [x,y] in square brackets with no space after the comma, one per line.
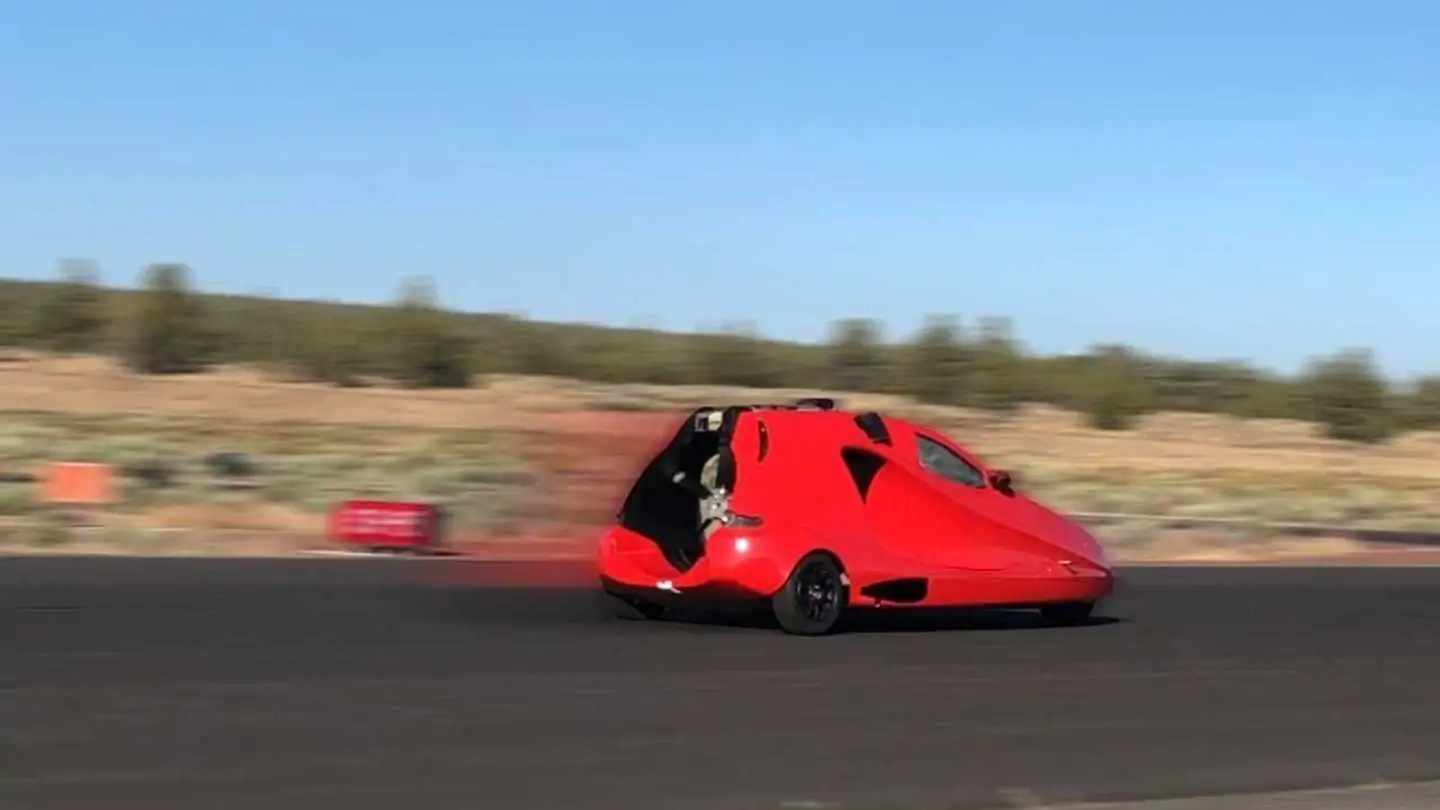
[813,599]
[1068,613]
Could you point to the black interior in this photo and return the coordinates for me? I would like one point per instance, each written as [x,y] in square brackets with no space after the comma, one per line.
[668,511]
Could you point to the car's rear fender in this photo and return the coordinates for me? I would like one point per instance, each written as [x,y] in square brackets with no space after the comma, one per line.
[756,561]
[634,559]
[759,559]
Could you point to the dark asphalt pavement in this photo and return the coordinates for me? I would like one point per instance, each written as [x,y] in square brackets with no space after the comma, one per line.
[354,684]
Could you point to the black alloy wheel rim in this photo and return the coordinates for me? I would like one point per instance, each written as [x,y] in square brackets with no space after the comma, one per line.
[817,591]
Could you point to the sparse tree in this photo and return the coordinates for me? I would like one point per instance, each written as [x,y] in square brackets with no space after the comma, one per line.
[856,357]
[170,331]
[936,362]
[1116,388]
[16,320]
[734,355]
[997,378]
[428,351]
[1423,405]
[1348,396]
[71,317]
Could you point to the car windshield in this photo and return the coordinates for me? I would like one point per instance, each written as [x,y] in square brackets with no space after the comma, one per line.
[944,462]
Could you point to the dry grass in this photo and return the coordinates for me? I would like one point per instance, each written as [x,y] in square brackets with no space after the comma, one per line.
[475,449]
[95,386]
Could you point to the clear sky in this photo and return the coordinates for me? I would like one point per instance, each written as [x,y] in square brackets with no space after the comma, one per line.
[1212,179]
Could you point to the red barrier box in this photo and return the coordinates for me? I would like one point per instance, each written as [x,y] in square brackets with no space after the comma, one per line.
[387,525]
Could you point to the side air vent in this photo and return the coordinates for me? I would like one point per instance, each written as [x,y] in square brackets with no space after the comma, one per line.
[898,591]
[863,466]
[874,427]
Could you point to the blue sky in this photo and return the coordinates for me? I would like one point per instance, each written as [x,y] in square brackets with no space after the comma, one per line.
[1211,179]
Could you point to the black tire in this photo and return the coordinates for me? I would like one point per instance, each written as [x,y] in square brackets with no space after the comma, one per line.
[1068,613]
[813,599]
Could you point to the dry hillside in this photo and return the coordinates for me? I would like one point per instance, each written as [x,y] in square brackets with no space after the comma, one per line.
[1173,441]
[490,447]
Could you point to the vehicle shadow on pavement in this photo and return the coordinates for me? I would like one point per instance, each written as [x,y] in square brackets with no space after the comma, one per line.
[898,620]
[583,606]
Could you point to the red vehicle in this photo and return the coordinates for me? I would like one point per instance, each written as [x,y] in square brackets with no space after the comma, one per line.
[817,510]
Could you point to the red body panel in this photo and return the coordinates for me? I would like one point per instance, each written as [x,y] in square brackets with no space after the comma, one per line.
[973,546]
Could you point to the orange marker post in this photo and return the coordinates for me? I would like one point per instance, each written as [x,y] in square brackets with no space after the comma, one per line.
[72,483]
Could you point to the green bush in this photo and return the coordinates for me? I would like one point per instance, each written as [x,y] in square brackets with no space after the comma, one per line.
[1349,398]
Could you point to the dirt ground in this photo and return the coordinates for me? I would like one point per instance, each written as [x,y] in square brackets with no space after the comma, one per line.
[1171,441]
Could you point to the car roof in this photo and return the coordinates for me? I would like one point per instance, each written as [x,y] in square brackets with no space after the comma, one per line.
[878,426]
[874,423]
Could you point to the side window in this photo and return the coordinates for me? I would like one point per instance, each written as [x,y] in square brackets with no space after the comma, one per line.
[942,461]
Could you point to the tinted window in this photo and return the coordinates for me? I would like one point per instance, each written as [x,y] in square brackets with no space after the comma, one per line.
[942,461]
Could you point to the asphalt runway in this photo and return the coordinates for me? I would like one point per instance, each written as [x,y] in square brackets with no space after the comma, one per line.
[354,684]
